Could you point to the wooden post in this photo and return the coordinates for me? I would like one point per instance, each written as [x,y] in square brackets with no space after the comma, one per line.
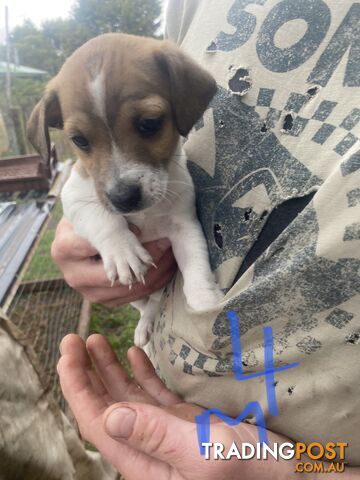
[8,73]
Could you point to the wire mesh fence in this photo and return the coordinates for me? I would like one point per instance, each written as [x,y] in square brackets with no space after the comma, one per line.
[45,312]
[45,308]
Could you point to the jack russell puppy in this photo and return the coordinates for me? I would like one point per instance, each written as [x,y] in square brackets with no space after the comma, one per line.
[124,102]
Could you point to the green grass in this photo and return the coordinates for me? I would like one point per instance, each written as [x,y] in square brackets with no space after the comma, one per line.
[118,325]
[42,266]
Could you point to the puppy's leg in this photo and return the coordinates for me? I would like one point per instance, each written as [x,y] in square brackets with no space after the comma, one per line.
[123,255]
[149,308]
[191,253]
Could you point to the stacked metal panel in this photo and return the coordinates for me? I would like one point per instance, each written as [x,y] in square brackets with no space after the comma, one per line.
[19,228]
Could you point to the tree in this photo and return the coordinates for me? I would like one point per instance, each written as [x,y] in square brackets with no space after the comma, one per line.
[139,17]
[33,48]
[47,48]
[64,36]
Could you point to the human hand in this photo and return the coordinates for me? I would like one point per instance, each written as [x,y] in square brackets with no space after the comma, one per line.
[151,432]
[84,271]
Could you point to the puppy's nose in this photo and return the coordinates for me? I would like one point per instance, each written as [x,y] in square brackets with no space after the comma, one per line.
[126,196]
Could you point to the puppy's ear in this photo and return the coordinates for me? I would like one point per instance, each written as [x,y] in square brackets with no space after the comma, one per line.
[47,113]
[191,87]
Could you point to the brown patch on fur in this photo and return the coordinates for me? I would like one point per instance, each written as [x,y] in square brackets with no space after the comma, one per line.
[154,150]
[47,113]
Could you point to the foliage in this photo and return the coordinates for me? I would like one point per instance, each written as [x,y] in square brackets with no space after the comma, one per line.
[65,36]
[33,49]
[26,92]
[98,17]
[139,17]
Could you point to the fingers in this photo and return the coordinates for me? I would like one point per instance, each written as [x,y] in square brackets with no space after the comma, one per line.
[117,382]
[88,408]
[76,384]
[154,432]
[67,245]
[114,377]
[75,258]
[147,378]
[87,274]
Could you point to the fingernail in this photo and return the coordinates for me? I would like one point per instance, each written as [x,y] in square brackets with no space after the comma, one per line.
[163,244]
[120,422]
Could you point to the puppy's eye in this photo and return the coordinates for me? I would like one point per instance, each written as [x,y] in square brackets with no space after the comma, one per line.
[80,142]
[147,127]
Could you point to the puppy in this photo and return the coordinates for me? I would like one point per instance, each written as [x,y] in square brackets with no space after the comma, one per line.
[125,102]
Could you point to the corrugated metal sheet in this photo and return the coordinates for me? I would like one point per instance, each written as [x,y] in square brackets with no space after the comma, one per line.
[19,227]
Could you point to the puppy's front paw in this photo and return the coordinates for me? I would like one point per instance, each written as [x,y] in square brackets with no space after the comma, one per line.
[126,259]
[201,298]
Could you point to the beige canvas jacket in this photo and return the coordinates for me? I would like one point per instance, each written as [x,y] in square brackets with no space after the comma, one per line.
[276,165]
[37,441]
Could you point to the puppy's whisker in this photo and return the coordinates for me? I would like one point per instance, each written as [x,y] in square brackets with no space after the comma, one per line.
[173,193]
[88,201]
[168,198]
[170,182]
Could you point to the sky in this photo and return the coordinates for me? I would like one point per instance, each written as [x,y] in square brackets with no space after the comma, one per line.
[35,10]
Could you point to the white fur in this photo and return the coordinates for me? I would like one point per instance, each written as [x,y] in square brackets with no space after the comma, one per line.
[97,91]
[122,253]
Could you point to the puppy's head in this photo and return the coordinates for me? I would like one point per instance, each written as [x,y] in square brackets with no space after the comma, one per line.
[123,101]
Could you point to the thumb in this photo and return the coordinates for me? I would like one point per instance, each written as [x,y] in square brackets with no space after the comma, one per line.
[154,432]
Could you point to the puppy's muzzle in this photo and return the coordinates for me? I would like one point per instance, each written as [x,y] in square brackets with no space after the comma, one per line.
[126,196]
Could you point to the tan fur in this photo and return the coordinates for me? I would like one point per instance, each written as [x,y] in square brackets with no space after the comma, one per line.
[143,78]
